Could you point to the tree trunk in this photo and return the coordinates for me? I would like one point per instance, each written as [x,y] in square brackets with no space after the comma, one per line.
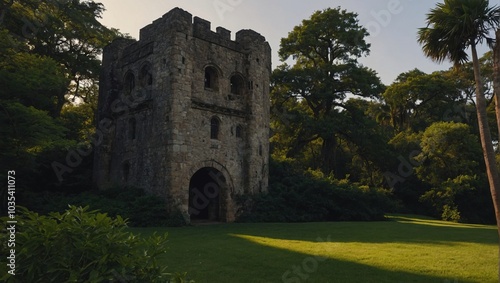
[496,78]
[486,143]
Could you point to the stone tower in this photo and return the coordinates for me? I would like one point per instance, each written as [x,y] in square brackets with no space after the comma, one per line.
[184,113]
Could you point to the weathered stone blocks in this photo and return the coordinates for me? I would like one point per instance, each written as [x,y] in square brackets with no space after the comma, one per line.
[190,115]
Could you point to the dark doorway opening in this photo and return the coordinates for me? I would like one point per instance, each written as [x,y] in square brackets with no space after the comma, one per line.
[205,189]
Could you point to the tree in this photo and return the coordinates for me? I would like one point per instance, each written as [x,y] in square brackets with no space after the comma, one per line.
[69,32]
[453,26]
[448,161]
[496,77]
[417,99]
[367,144]
[448,150]
[30,79]
[325,70]
[26,133]
[49,55]
[463,78]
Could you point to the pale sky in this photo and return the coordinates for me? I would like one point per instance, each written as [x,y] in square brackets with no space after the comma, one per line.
[393,24]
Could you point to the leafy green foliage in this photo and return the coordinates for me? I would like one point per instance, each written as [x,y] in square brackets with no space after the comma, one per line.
[307,197]
[32,137]
[449,159]
[456,24]
[443,197]
[453,27]
[309,96]
[29,129]
[79,120]
[448,150]
[84,246]
[32,80]
[26,133]
[140,209]
[67,32]
[49,57]
[417,99]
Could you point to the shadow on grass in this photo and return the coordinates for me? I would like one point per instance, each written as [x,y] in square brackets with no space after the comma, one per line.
[404,229]
[292,266]
[226,252]
[234,259]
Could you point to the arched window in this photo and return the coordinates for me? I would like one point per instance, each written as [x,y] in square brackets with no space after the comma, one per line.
[214,128]
[132,126]
[129,84]
[237,84]
[239,131]
[211,78]
[145,76]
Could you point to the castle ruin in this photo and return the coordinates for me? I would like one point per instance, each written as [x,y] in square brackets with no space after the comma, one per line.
[186,115]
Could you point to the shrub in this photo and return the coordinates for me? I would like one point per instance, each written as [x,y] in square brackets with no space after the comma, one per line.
[462,199]
[296,196]
[141,209]
[83,246]
[133,204]
[450,213]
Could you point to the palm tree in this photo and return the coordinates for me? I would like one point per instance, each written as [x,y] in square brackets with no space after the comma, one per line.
[452,28]
[496,77]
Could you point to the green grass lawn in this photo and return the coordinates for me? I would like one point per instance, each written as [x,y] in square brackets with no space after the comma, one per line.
[403,249]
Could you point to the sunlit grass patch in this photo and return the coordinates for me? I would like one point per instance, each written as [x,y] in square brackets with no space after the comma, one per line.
[404,249]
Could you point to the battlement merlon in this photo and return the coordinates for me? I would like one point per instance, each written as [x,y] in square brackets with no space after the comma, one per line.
[176,20]
[116,47]
[182,21]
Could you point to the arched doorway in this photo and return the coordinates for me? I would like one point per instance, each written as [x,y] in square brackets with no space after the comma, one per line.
[206,188]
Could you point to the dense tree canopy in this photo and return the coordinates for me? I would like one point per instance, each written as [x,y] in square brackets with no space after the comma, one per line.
[453,27]
[415,140]
[68,32]
[417,99]
[344,146]
[50,54]
[325,71]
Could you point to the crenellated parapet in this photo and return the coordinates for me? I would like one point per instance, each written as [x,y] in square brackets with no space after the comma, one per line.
[182,21]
